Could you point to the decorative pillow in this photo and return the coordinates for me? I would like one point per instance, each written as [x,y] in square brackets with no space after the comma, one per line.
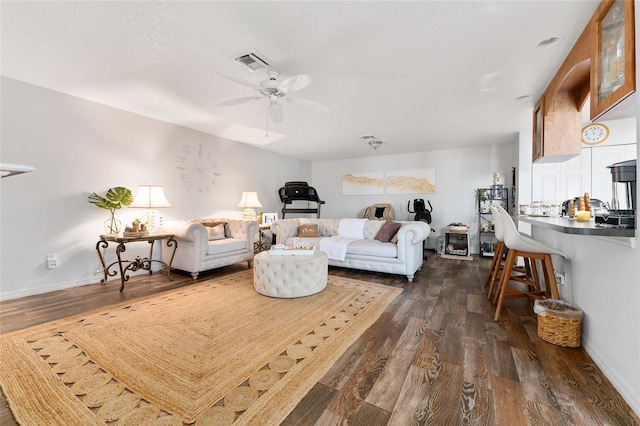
[387,231]
[309,230]
[216,232]
[211,223]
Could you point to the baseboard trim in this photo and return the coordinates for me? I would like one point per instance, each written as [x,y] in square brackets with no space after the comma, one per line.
[69,284]
[618,381]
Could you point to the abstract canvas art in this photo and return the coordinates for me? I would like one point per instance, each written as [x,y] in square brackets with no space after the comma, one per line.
[362,183]
[421,181]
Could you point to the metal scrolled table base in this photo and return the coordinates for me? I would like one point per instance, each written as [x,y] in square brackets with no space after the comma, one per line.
[139,263]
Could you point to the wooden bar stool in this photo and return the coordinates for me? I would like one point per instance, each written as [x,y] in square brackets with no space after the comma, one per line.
[497,265]
[519,245]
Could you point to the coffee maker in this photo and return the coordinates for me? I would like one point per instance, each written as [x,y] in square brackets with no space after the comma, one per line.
[623,194]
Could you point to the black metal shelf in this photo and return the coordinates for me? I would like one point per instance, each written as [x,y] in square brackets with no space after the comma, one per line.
[485,246]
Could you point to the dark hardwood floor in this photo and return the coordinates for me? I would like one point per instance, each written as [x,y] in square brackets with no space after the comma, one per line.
[434,357]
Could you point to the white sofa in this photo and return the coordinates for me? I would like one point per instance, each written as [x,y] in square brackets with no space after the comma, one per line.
[404,257]
[197,253]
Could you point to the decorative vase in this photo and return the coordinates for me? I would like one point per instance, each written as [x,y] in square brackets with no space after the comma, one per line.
[112,226]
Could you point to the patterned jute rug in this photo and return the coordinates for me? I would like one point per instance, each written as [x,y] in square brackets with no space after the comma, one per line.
[214,353]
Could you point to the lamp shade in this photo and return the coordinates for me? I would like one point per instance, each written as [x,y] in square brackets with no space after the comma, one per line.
[249,200]
[150,197]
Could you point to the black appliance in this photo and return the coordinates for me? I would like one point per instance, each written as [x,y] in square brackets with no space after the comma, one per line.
[420,210]
[622,174]
[299,191]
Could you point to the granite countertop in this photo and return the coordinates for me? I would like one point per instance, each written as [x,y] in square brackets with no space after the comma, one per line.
[572,226]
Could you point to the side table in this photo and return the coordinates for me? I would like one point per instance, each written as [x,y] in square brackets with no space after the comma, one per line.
[261,244]
[138,262]
[456,246]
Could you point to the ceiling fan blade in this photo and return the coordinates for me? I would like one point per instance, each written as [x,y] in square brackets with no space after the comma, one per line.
[240,81]
[275,112]
[238,101]
[311,105]
[296,82]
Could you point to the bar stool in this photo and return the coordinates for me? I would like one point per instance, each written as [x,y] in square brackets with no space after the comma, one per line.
[494,275]
[498,253]
[520,245]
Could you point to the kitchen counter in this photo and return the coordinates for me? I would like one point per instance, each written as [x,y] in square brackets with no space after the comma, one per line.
[567,226]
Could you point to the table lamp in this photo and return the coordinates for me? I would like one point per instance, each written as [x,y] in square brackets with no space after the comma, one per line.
[151,197]
[248,202]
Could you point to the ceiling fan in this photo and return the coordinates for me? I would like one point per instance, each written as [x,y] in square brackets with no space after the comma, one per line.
[274,92]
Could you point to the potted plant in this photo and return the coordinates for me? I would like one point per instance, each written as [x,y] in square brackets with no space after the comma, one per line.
[113,200]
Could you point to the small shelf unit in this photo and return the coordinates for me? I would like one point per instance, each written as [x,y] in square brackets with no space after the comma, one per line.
[486,197]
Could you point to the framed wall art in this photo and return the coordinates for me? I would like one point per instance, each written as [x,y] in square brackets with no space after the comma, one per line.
[269,217]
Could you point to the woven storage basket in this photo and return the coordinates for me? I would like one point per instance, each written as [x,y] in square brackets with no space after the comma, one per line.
[558,322]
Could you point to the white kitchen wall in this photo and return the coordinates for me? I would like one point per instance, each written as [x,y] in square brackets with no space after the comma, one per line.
[555,182]
[458,173]
[79,147]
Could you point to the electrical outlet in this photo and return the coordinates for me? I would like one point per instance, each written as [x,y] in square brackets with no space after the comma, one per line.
[52,261]
[560,278]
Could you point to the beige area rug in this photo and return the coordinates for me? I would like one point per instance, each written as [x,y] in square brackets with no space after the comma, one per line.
[211,353]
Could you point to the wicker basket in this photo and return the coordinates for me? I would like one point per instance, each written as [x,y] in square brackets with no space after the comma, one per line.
[558,322]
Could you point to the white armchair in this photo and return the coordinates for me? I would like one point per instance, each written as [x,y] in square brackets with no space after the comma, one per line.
[196,252]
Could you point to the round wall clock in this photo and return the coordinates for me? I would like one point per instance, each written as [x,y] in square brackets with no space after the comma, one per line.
[595,133]
[197,169]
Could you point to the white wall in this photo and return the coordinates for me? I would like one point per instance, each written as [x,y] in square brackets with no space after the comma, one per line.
[79,147]
[458,173]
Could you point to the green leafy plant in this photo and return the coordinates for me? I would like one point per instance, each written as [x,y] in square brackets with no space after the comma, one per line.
[481,193]
[113,200]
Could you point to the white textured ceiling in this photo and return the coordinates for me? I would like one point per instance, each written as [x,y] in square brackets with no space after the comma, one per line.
[419,75]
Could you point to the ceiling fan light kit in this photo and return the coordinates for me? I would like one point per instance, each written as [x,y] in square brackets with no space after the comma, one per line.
[372,141]
[375,144]
[275,111]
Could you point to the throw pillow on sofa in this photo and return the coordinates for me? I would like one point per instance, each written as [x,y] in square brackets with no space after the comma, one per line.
[387,231]
[212,223]
[308,230]
[216,232]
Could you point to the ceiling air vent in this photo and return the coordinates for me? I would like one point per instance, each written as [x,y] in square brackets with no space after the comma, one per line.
[368,138]
[253,61]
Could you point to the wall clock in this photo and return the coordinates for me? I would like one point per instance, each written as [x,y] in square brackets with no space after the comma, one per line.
[196,168]
[595,133]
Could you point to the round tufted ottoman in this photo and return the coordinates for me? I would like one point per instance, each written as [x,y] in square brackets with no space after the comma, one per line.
[289,276]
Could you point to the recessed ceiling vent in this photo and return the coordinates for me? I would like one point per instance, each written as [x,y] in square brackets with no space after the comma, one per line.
[253,61]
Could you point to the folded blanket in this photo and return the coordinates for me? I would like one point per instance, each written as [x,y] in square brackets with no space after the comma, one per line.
[351,228]
[335,247]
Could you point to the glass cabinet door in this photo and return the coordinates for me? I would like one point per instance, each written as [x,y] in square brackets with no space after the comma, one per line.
[613,61]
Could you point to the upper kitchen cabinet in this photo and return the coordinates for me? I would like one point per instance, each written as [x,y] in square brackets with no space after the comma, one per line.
[537,129]
[557,117]
[613,76]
